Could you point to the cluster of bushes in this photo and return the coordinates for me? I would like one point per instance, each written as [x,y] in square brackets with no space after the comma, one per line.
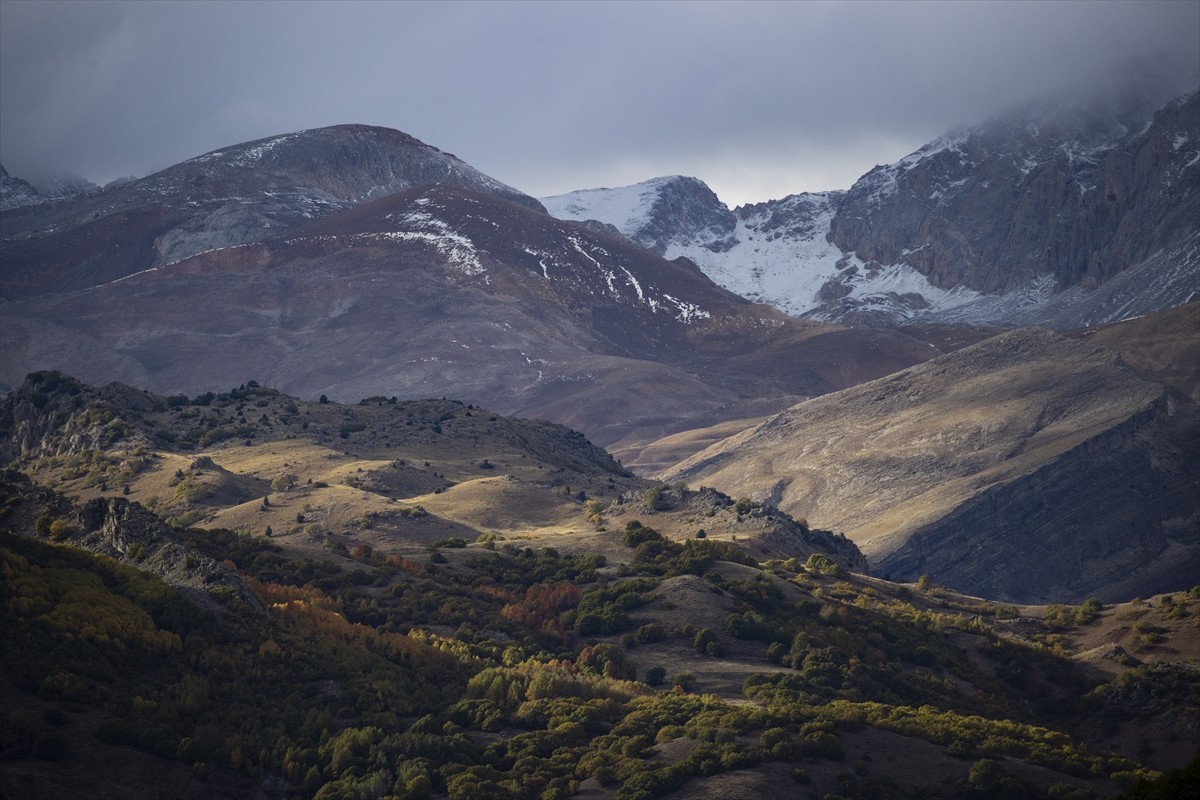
[342,687]
[656,555]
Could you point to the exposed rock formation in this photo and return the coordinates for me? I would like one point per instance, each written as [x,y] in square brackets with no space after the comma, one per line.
[1077,194]
[126,532]
[658,214]
[1063,214]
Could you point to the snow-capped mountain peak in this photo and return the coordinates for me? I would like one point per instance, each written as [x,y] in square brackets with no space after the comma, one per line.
[1023,219]
[656,214]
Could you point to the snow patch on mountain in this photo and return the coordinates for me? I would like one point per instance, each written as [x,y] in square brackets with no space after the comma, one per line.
[1023,219]
[626,207]
[15,192]
[422,226]
[779,253]
[774,253]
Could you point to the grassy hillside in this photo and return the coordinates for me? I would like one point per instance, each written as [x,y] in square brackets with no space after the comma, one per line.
[497,610]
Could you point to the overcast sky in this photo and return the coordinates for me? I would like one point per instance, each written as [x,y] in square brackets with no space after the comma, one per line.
[759,100]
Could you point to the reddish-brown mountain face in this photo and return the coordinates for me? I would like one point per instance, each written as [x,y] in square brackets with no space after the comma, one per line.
[240,194]
[447,289]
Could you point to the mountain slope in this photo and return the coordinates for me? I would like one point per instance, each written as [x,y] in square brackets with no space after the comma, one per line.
[1059,214]
[15,192]
[444,290]
[240,194]
[1027,467]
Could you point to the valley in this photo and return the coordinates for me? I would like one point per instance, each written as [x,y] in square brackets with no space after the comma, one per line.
[376,551]
[336,468]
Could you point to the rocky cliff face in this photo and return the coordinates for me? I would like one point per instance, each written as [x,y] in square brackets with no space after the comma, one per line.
[659,214]
[1077,194]
[125,532]
[52,414]
[1027,467]
[1062,215]
[15,192]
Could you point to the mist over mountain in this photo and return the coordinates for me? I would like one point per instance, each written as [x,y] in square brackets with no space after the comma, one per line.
[1058,213]
[16,192]
[305,491]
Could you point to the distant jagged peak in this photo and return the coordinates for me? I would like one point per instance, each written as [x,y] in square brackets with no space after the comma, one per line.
[622,206]
[15,192]
[61,183]
[655,213]
[791,202]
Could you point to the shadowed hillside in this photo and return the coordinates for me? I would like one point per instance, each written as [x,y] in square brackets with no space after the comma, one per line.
[1027,467]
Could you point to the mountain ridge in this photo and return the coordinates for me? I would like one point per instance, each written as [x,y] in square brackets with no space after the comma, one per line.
[481,297]
[1093,194]
[1014,468]
[237,195]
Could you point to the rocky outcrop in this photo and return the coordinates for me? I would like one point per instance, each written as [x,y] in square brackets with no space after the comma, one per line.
[658,214]
[126,532]
[686,209]
[52,414]
[1078,194]
[15,192]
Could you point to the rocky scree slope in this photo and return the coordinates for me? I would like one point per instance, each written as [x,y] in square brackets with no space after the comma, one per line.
[1028,468]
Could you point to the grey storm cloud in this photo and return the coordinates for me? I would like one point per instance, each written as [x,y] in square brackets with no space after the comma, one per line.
[758,99]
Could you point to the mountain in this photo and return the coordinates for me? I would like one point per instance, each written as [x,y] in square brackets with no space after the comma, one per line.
[227,197]
[248,595]
[769,252]
[15,192]
[1029,467]
[384,473]
[657,214]
[1064,214]
[441,289]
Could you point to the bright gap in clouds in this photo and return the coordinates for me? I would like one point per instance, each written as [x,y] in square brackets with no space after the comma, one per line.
[736,176]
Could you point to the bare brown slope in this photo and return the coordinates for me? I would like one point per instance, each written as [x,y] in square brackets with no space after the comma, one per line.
[1027,467]
[243,193]
[1165,345]
[445,291]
